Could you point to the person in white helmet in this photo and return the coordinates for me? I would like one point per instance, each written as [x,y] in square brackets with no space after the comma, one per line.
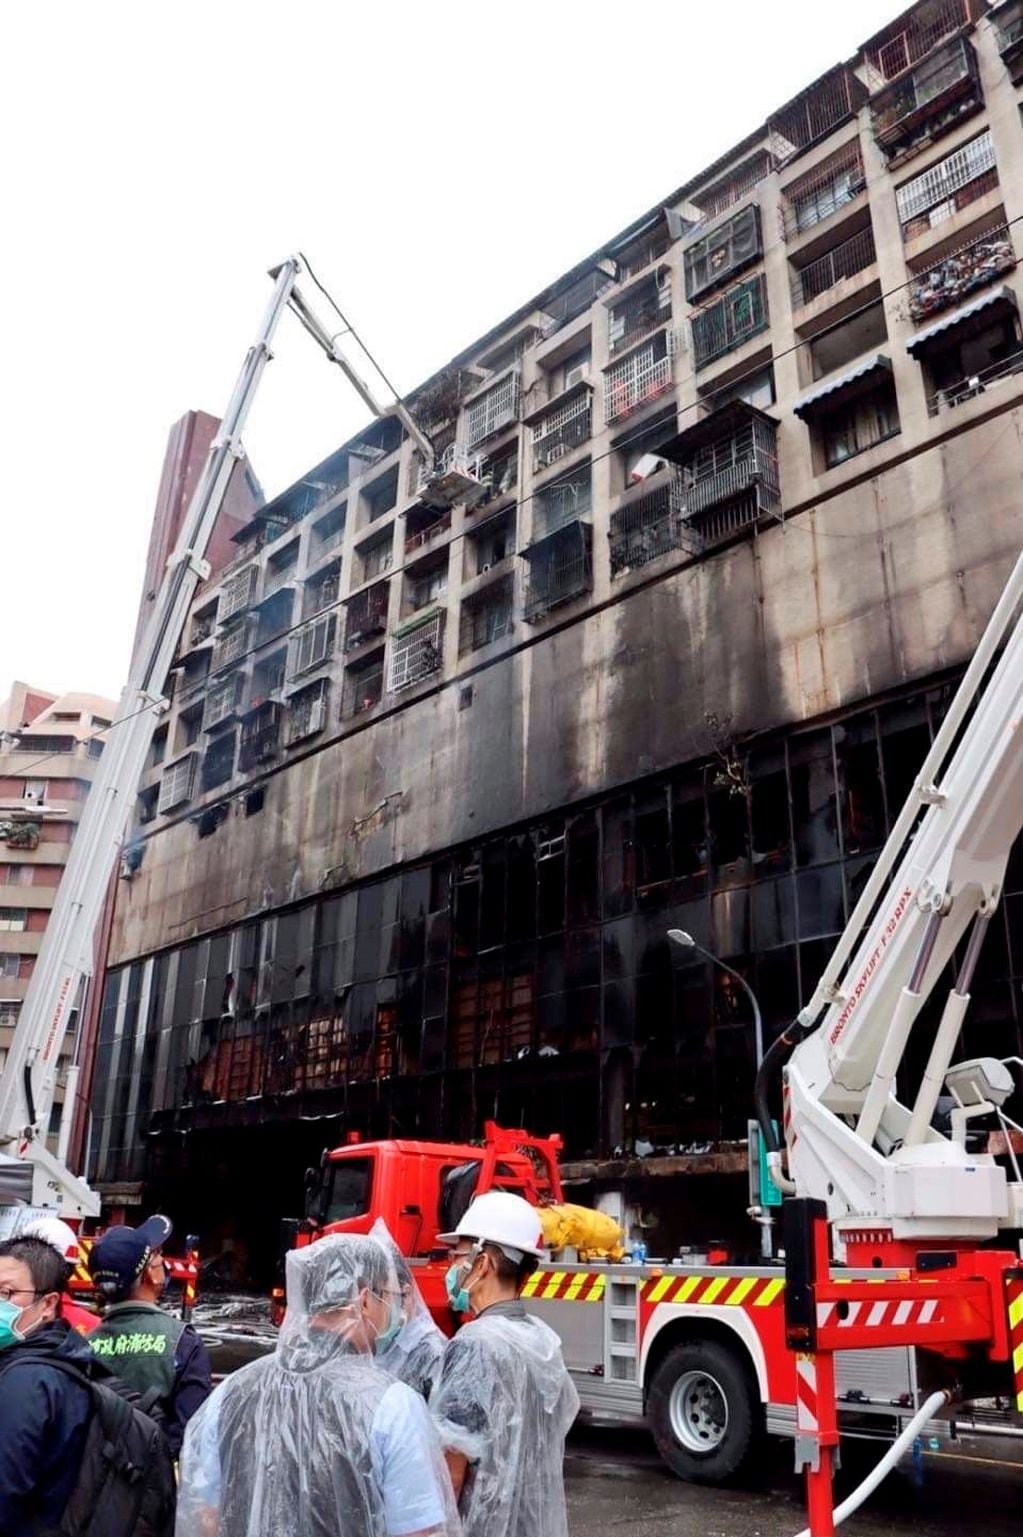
[59,1236]
[504,1400]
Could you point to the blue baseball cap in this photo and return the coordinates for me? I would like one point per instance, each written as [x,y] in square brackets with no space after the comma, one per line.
[122,1254]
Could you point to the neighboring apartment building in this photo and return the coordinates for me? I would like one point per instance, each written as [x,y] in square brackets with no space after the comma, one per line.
[49,746]
[662,639]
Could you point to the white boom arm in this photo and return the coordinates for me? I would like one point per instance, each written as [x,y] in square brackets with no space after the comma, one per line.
[937,881]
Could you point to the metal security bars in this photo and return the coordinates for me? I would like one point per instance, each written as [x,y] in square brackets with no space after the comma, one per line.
[934,192]
[222,701]
[261,734]
[231,647]
[727,472]
[638,379]
[178,783]
[723,194]
[738,315]
[829,187]
[638,313]
[498,407]
[363,687]
[723,253]
[560,431]
[307,712]
[323,590]
[417,653]
[565,500]
[366,615]
[559,570]
[238,593]
[844,261]
[897,49]
[485,618]
[960,273]
[935,93]
[649,526]
[814,113]
[312,645]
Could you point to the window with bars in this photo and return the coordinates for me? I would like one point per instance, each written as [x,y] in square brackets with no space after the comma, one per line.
[642,309]
[862,424]
[498,407]
[366,614]
[928,99]
[563,429]
[485,618]
[238,592]
[231,647]
[824,191]
[562,501]
[724,252]
[307,712]
[363,686]
[312,645]
[934,192]
[178,784]
[323,590]
[718,198]
[375,558]
[221,701]
[640,378]
[738,315]
[218,761]
[416,653]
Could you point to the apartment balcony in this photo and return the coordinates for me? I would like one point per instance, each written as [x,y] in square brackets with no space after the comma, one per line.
[276,578]
[1000,376]
[719,257]
[928,100]
[639,312]
[1008,21]
[815,113]
[639,379]
[843,261]
[237,594]
[560,570]
[726,472]
[496,408]
[561,428]
[812,202]
[222,702]
[417,650]
[649,525]
[363,687]
[178,783]
[915,35]
[231,647]
[942,192]
[261,735]
[424,527]
[574,300]
[202,630]
[366,615]
[960,273]
[737,316]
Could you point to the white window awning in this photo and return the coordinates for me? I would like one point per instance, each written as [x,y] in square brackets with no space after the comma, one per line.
[858,380]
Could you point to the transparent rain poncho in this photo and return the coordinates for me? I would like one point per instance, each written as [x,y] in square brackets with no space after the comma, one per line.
[316,1438]
[415,1355]
[505,1401]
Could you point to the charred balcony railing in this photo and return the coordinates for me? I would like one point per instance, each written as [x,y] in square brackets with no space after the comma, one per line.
[648,526]
[854,255]
[261,735]
[424,531]
[736,317]
[559,569]
[823,191]
[366,615]
[928,99]
[960,273]
[565,428]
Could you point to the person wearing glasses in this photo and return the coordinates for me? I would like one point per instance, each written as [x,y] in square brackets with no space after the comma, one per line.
[44,1411]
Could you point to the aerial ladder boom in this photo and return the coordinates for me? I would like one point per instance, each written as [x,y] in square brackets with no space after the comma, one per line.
[850,1141]
[65,961]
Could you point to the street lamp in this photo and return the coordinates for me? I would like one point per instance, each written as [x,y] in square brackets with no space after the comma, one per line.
[687,942]
[761,1214]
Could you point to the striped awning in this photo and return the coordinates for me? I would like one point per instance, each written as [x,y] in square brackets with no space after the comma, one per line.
[833,392]
[997,299]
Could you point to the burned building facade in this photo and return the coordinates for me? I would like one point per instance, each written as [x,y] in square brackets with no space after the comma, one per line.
[658,641]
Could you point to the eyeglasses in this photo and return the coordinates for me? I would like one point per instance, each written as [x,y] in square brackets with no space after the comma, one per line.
[8,1293]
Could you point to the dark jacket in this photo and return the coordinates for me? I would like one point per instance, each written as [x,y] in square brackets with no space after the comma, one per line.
[149,1348]
[44,1417]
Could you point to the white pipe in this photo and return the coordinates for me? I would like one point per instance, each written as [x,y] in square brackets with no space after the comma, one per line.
[926,1412]
[937,1066]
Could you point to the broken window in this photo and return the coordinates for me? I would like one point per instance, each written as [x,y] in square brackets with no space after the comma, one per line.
[862,796]
[769,811]
[218,761]
[689,834]
[550,878]
[814,809]
[652,842]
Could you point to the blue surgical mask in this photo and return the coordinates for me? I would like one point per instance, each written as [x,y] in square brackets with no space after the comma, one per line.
[387,1336]
[457,1294]
[9,1316]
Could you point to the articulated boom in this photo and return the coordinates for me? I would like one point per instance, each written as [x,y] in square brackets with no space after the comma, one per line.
[851,1142]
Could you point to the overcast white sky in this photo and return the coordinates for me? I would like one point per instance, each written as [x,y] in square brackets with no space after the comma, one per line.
[438,163]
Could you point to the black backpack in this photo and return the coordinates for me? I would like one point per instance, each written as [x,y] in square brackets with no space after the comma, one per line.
[126,1485]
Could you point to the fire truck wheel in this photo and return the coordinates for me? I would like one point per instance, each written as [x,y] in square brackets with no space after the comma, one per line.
[702,1411]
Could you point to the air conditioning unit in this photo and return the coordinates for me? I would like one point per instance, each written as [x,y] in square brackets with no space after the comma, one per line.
[580,374]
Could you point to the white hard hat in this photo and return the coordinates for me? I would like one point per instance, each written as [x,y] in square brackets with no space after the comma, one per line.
[57,1234]
[501,1218]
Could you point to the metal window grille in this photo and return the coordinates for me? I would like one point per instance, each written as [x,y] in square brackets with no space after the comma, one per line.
[562,429]
[366,615]
[737,315]
[1009,26]
[495,409]
[718,198]
[728,484]
[261,731]
[723,253]
[814,113]
[890,53]
[564,501]
[942,181]
[312,645]
[178,784]
[824,191]
[307,712]
[277,576]
[637,379]
[961,272]
[559,570]
[844,261]
[330,531]
[221,702]
[239,591]
[218,762]
[364,686]
[230,647]
[485,619]
[648,526]
[416,654]
[324,590]
[638,313]
[932,88]
[576,298]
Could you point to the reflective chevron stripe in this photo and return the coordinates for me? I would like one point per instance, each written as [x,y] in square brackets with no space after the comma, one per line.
[715,1290]
[564,1286]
